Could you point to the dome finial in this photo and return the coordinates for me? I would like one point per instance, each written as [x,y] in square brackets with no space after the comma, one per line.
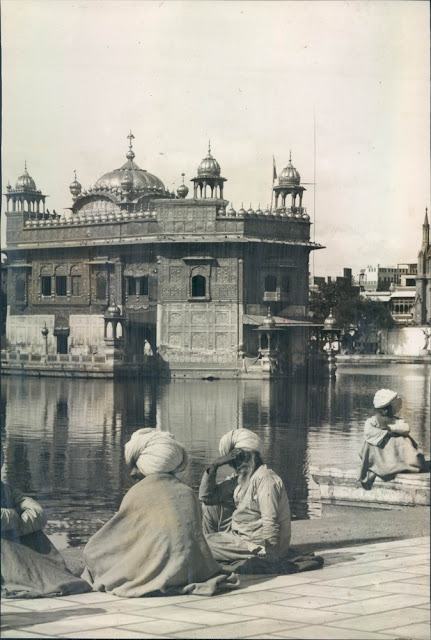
[290,157]
[25,165]
[74,172]
[130,154]
[209,147]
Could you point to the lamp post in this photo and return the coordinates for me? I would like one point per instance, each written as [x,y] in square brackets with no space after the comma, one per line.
[45,336]
[332,334]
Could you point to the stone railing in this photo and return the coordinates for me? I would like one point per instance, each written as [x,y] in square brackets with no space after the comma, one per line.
[290,213]
[51,358]
[89,218]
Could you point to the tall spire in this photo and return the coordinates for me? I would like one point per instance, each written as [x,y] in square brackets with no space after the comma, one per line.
[425,231]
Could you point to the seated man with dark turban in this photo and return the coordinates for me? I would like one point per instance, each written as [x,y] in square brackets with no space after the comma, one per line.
[247,515]
[154,543]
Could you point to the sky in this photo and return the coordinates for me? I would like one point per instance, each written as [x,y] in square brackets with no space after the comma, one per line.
[343,86]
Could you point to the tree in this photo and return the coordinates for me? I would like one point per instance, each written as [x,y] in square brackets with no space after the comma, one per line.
[350,309]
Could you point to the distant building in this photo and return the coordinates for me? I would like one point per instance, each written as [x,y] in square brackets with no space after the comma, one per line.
[134,269]
[377,278]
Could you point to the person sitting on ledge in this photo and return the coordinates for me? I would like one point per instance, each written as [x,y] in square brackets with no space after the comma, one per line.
[154,544]
[31,567]
[388,448]
[246,517]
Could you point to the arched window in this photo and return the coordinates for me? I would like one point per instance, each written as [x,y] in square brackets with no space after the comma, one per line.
[131,286]
[270,283]
[143,286]
[199,285]
[100,287]
[20,290]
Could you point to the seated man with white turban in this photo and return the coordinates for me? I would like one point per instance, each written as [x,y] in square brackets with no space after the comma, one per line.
[247,515]
[154,543]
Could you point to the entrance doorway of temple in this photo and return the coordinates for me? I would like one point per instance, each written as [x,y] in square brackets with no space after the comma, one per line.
[141,340]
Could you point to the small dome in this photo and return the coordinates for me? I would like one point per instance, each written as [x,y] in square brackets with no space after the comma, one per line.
[269,320]
[25,182]
[289,176]
[209,167]
[330,322]
[250,211]
[75,187]
[242,211]
[231,211]
[113,310]
[182,190]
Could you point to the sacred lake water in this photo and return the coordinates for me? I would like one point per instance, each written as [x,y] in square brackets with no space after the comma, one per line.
[64,438]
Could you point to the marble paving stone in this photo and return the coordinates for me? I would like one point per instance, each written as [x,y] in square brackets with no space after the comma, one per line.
[161,626]
[266,636]
[380,604]
[291,613]
[238,630]
[44,604]
[341,593]
[364,579]
[311,602]
[397,563]
[417,580]
[281,581]
[163,601]
[196,616]
[363,556]
[418,631]
[226,603]
[385,620]
[407,551]
[93,596]
[69,625]
[321,632]
[417,570]
[110,632]
[18,633]
[401,587]
[11,608]
[410,543]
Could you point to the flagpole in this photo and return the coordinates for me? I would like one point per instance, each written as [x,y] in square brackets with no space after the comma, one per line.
[314,180]
[274,175]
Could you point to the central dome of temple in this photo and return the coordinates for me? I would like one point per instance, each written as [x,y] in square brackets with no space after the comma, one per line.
[140,179]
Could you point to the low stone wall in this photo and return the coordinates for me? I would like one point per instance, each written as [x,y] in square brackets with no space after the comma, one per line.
[407,341]
[341,486]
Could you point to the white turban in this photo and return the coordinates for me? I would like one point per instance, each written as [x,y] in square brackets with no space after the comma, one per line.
[240,439]
[383,398]
[153,451]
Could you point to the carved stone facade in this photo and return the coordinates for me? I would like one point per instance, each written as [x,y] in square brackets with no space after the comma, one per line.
[185,281]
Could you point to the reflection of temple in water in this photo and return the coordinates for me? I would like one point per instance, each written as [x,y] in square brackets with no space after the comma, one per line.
[64,440]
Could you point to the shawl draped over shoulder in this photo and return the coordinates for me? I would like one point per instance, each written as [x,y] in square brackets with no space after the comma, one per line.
[154,543]
[31,567]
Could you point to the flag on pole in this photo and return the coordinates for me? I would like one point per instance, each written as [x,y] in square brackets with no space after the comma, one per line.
[274,170]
